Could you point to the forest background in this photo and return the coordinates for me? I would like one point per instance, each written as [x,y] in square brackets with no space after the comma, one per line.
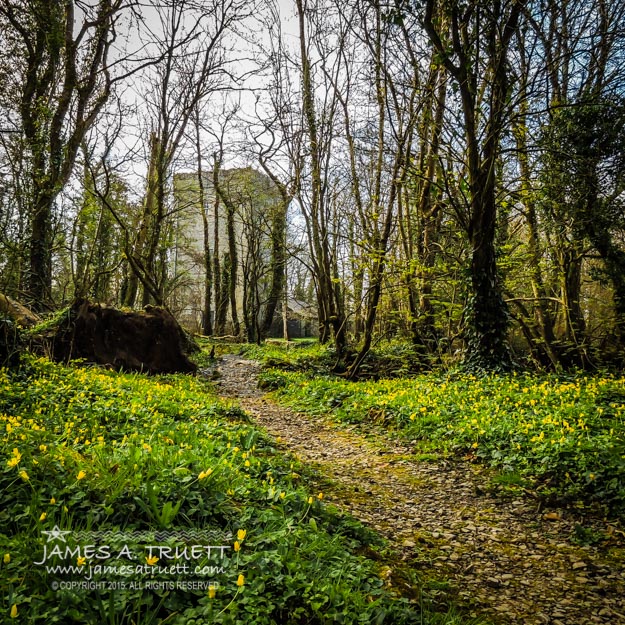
[448,172]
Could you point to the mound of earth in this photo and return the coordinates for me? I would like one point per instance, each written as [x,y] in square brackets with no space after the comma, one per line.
[150,341]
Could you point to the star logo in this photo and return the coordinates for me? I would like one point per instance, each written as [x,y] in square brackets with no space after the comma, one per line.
[56,533]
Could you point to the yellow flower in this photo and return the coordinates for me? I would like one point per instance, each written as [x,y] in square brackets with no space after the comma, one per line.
[310,500]
[151,560]
[204,474]
[241,535]
[81,561]
[24,475]
[237,545]
[7,558]
[14,611]
[211,592]
[81,475]
[240,581]
[43,516]
[320,496]
[52,500]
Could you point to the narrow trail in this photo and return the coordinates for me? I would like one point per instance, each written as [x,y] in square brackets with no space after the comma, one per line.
[505,560]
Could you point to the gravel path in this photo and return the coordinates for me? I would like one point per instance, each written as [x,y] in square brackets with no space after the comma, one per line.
[505,559]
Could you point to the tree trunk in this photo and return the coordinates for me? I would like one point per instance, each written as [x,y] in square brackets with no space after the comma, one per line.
[331,316]
[571,260]
[40,273]
[545,341]
[155,204]
[221,304]
[146,223]
[207,322]
[429,206]
[233,261]
[277,288]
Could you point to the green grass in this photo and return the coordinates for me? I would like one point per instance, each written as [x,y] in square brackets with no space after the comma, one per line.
[119,457]
[564,434]
[300,355]
[391,359]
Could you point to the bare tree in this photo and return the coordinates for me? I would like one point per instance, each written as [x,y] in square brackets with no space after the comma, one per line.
[317,208]
[65,74]
[276,143]
[180,82]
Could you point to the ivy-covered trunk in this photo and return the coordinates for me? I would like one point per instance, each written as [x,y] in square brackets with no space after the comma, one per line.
[487,311]
[40,273]
[491,34]
[598,231]
[277,288]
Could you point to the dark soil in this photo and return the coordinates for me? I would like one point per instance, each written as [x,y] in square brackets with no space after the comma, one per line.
[150,341]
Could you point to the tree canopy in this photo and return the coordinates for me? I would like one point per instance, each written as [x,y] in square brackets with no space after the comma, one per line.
[448,172]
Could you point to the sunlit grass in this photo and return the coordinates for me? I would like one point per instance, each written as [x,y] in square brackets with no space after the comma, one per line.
[566,432]
[91,450]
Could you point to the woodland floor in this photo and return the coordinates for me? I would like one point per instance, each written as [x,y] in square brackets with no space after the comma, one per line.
[504,560]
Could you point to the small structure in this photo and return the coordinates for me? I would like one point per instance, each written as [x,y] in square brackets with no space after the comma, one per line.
[302,321]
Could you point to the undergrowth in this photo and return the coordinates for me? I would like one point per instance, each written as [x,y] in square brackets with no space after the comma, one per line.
[562,435]
[391,359]
[100,469]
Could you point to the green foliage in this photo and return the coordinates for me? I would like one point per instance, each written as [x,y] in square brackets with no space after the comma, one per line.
[582,147]
[389,359]
[583,170]
[50,323]
[91,450]
[11,342]
[301,355]
[394,359]
[588,535]
[564,435]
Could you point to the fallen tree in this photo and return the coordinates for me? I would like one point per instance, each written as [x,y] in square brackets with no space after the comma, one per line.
[150,341]
[13,317]
[21,315]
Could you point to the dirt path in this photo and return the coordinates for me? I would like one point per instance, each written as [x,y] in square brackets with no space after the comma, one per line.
[505,560]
